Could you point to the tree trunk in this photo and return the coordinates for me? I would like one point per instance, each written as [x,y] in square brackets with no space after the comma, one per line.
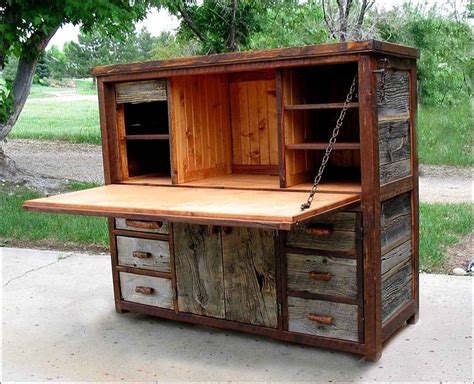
[21,89]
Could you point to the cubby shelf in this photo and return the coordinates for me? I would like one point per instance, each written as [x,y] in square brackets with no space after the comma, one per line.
[147,137]
[295,107]
[322,146]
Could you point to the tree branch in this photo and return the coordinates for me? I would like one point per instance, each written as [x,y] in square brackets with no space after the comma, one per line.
[188,19]
[231,43]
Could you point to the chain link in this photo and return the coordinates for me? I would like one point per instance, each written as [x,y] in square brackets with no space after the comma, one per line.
[330,146]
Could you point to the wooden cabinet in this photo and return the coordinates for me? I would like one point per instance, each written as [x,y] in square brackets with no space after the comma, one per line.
[207,162]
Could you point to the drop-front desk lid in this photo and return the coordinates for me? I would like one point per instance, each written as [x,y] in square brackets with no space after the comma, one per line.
[272,209]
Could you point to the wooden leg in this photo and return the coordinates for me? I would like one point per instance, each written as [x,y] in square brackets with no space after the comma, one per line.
[374,355]
[413,319]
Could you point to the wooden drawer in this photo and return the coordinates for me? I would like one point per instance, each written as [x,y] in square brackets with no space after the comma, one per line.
[323,318]
[142,226]
[143,253]
[149,290]
[332,276]
[335,232]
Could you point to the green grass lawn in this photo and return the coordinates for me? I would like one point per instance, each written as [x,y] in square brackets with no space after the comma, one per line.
[18,225]
[442,225]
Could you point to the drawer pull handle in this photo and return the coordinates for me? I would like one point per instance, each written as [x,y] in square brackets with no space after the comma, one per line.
[141,255]
[326,320]
[144,290]
[320,276]
[143,224]
[318,231]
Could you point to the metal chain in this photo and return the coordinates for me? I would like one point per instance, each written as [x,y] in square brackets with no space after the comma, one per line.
[330,146]
[382,96]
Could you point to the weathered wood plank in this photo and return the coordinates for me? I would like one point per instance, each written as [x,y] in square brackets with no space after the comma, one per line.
[249,276]
[342,278]
[344,324]
[140,91]
[160,294]
[396,256]
[199,277]
[144,253]
[397,96]
[395,221]
[396,288]
[394,171]
[142,226]
[339,233]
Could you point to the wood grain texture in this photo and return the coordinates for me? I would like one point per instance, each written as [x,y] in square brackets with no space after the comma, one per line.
[141,91]
[342,236]
[161,296]
[162,227]
[200,121]
[158,253]
[199,277]
[396,256]
[396,105]
[250,277]
[396,288]
[254,123]
[344,318]
[343,275]
[209,205]
[396,221]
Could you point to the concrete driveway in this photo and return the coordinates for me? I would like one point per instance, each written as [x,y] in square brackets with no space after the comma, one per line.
[59,324]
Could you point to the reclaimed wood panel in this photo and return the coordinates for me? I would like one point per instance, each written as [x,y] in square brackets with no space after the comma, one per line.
[250,276]
[140,91]
[142,226]
[338,233]
[199,277]
[342,275]
[200,124]
[253,115]
[160,294]
[396,217]
[157,253]
[396,104]
[343,318]
[396,288]
[396,256]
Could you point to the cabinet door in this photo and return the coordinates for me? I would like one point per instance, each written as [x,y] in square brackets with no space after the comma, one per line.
[249,276]
[198,258]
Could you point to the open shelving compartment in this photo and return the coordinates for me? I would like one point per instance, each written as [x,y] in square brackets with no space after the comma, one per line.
[313,98]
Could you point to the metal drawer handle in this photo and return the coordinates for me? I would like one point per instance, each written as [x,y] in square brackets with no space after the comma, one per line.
[326,320]
[320,276]
[321,230]
[144,290]
[144,224]
[141,255]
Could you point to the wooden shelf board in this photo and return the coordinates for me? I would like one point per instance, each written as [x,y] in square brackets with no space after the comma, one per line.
[295,107]
[147,137]
[248,181]
[270,209]
[322,146]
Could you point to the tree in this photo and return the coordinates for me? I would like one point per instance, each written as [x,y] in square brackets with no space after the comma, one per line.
[26,28]
[345,18]
[219,25]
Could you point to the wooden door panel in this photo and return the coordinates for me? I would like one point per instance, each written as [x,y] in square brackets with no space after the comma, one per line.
[198,258]
[250,277]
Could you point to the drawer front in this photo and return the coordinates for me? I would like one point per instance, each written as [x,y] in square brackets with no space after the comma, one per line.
[140,91]
[143,253]
[322,275]
[323,318]
[335,232]
[149,290]
[142,226]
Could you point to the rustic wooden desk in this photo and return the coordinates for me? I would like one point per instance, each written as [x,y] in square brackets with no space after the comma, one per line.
[207,161]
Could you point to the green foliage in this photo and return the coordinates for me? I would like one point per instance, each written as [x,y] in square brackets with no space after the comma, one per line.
[19,225]
[168,45]
[213,21]
[446,64]
[442,225]
[290,23]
